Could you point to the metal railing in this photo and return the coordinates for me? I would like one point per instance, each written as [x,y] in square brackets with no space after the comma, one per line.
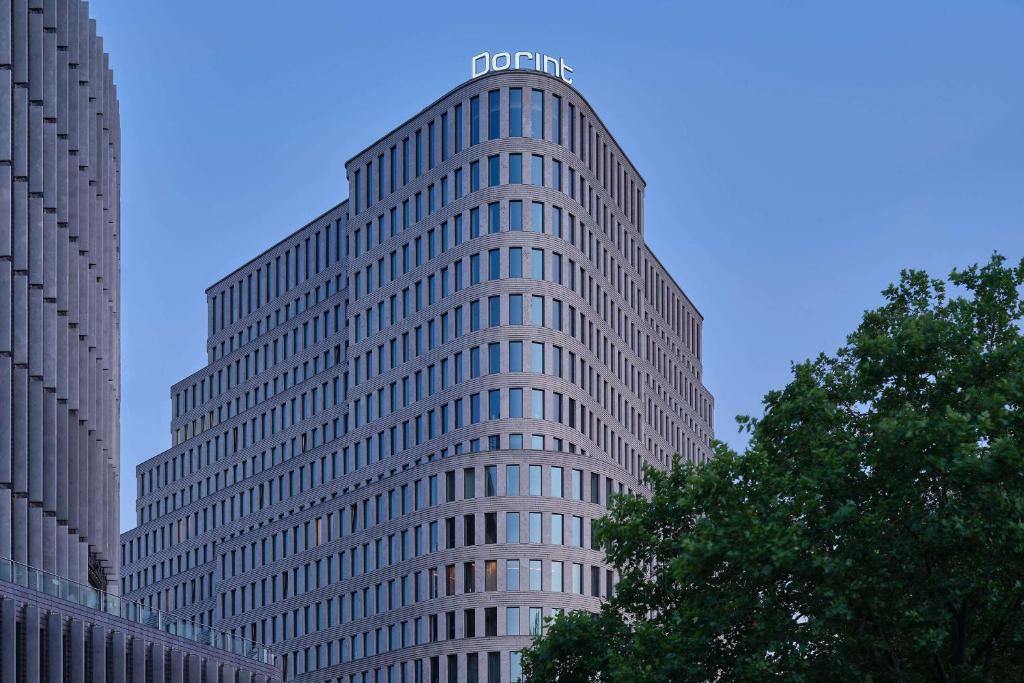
[92,598]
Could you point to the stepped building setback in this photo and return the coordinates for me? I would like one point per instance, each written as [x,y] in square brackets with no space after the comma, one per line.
[416,405]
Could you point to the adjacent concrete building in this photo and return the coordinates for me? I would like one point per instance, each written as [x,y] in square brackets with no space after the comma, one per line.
[60,616]
[416,405]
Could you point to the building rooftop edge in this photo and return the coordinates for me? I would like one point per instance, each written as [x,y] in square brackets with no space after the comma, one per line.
[276,244]
[496,74]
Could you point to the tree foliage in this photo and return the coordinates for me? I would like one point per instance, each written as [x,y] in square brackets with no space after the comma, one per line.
[873,529]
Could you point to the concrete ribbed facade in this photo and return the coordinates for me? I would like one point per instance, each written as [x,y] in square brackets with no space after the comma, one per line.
[48,639]
[59,284]
[416,405]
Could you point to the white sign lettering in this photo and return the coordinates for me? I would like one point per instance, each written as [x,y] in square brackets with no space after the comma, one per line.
[485,62]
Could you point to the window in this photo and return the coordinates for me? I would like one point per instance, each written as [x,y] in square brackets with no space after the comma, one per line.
[515,168]
[494,358]
[493,170]
[494,264]
[515,402]
[512,480]
[556,118]
[515,260]
[458,130]
[577,484]
[512,621]
[469,577]
[557,530]
[535,575]
[577,578]
[511,527]
[515,215]
[535,527]
[491,575]
[515,351]
[474,178]
[494,217]
[537,217]
[557,577]
[493,114]
[469,483]
[494,404]
[515,112]
[537,404]
[512,575]
[474,120]
[556,482]
[469,529]
[515,309]
[535,480]
[536,621]
[537,310]
[577,531]
[537,170]
[537,357]
[537,264]
[494,311]
[537,114]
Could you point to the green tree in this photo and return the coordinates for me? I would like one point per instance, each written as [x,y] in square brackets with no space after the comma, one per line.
[873,529]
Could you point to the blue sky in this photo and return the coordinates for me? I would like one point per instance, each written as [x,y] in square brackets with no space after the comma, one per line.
[797,154]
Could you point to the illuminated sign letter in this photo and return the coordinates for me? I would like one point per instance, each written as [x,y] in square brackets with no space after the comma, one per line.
[566,70]
[486,57]
[505,58]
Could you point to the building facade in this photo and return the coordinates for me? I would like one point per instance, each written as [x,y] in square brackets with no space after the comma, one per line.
[416,405]
[60,283]
[60,385]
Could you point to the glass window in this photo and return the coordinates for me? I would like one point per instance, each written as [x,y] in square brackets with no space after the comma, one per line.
[515,112]
[557,529]
[458,128]
[474,176]
[556,118]
[494,404]
[535,480]
[515,402]
[512,527]
[468,483]
[535,527]
[537,217]
[537,264]
[556,482]
[494,264]
[493,311]
[515,309]
[535,575]
[512,567]
[474,120]
[493,170]
[537,170]
[512,480]
[512,622]
[515,168]
[537,404]
[515,260]
[537,357]
[537,113]
[537,310]
[515,351]
[557,577]
[494,358]
[515,215]
[494,115]
[536,621]
[494,217]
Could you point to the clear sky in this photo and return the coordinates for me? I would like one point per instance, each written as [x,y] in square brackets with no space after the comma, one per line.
[797,154]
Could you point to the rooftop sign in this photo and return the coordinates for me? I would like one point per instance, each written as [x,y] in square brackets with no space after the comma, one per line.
[486,62]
